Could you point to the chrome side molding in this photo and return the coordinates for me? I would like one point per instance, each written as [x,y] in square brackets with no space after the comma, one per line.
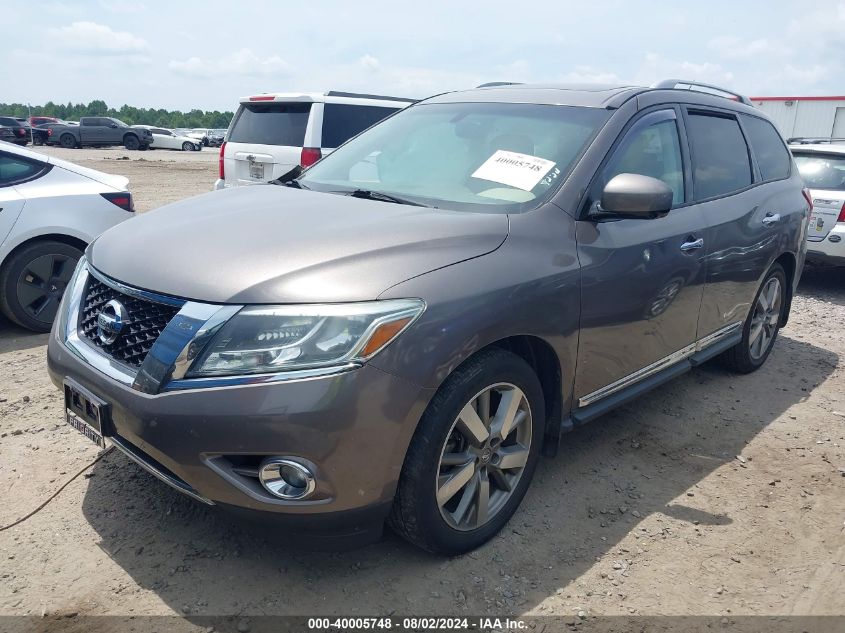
[663,363]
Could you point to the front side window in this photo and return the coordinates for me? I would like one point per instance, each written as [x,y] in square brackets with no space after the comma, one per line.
[654,150]
[489,157]
[719,155]
[769,150]
[341,122]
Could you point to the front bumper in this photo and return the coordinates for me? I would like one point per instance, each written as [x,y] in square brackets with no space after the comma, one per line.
[830,250]
[352,428]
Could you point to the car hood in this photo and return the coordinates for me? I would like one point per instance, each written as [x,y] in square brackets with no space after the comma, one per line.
[272,244]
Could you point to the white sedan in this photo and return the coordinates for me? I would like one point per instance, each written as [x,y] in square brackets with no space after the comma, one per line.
[50,210]
[167,139]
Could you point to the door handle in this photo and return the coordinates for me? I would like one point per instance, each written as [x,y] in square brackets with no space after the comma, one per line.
[771,218]
[692,245]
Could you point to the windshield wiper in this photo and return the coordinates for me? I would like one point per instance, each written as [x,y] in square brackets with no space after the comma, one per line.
[368,194]
[288,179]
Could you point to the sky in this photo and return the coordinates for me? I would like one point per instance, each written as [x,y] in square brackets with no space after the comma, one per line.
[186,54]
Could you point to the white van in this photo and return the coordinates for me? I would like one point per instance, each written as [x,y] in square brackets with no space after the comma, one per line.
[272,133]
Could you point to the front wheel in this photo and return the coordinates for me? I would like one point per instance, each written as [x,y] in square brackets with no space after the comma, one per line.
[131,142]
[762,325]
[187,147]
[33,281]
[473,455]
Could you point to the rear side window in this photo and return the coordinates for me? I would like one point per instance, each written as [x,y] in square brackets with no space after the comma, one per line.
[719,155]
[822,171]
[342,122]
[14,170]
[769,150]
[271,124]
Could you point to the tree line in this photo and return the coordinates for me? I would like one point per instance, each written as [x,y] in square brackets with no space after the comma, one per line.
[126,113]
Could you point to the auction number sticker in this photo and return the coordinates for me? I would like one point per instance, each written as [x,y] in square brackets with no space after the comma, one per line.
[522,171]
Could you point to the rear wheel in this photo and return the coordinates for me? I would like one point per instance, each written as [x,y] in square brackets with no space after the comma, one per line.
[131,142]
[33,281]
[67,141]
[187,147]
[473,455]
[761,326]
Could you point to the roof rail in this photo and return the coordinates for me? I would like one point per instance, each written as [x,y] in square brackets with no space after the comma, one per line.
[358,95]
[493,84]
[685,84]
[812,140]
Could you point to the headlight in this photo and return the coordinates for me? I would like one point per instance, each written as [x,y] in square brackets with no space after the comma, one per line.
[264,339]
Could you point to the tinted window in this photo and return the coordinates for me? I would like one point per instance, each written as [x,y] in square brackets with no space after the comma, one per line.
[342,122]
[13,169]
[652,151]
[719,155]
[769,150]
[271,123]
[822,171]
[7,120]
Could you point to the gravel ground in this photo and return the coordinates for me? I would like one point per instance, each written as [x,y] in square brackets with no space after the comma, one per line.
[717,494]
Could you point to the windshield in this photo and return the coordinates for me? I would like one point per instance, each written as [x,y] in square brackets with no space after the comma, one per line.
[822,171]
[491,157]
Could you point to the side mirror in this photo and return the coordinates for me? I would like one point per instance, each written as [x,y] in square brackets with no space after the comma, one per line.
[636,196]
[113,125]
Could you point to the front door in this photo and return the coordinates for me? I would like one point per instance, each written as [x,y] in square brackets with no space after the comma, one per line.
[642,279]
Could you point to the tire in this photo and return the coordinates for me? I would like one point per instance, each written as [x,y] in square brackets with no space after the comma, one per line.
[68,141]
[751,352]
[144,147]
[33,280]
[131,142]
[452,525]
[188,147]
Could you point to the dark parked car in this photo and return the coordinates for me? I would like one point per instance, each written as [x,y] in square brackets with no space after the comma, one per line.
[41,120]
[101,131]
[18,127]
[397,334]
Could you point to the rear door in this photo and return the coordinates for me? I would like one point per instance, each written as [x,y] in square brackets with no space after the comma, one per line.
[824,174]
[93,130]
[747,210]
[641,279]
[265,141]
[13,170]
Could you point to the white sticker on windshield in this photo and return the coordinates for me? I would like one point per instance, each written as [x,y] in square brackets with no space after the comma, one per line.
[522,171]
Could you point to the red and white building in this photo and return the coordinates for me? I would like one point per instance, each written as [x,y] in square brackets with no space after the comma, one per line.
[805,116]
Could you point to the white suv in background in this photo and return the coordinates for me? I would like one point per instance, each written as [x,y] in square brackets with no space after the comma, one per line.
[822,166]
[272,133]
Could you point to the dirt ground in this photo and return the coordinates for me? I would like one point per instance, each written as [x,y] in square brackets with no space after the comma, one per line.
[718,494]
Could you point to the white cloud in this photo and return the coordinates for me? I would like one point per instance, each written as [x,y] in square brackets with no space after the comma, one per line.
[90,38]
[730,47]
[589,75]
[656,67]
[369,62]
[244,63]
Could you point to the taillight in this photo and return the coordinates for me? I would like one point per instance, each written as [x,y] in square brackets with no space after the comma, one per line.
[21,131]
[221,171]
[49,131]
[122,199]
[808,197]
[309,156]
[841,217]
[262,98]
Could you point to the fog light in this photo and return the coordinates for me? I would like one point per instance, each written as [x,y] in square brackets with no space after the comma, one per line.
[286,479]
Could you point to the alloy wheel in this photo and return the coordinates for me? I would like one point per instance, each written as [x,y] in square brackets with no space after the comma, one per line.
[42,283]
[484,456]
[764,322]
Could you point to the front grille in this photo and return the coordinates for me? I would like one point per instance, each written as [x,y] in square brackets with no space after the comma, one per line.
[146,320]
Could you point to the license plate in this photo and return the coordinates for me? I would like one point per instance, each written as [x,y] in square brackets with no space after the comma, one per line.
[87,413]
[256,170]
